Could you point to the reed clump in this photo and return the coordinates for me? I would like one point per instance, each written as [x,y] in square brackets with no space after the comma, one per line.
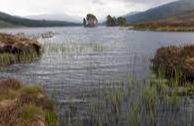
[17,49]
[173,60]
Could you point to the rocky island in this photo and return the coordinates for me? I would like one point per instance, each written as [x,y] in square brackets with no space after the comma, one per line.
[90,21]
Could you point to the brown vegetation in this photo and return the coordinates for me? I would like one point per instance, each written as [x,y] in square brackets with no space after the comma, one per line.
[17,49]
[25,105]
[173,60]
[165,26]
[17,44]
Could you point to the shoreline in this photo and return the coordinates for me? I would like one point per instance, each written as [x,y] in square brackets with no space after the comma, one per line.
[162,27]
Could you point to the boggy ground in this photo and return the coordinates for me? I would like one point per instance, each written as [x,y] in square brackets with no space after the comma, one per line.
[17,49]
[25,105]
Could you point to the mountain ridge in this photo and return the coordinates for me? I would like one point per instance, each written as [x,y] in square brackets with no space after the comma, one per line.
[20,21]
[57,16]
[166,11]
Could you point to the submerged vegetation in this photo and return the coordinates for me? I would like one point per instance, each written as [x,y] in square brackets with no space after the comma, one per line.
[119,104]
[167,95]
[25,105]
[17,49]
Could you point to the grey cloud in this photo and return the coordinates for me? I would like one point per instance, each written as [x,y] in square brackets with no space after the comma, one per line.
[77,7]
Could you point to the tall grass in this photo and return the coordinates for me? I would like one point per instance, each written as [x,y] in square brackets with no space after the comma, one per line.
[24,57]
[145,103]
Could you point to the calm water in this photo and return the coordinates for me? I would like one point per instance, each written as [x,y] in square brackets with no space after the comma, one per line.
[78,61]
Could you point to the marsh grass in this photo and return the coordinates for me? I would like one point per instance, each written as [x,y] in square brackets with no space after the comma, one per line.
[72,48]
[10,58]
[51,118]
[18,49]
[135,103]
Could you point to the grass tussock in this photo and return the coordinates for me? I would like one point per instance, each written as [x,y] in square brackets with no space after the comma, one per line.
[173,60]
[174,69]
[17,49]
[25,105]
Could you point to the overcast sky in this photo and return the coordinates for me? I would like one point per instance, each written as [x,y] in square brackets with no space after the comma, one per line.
[77,7]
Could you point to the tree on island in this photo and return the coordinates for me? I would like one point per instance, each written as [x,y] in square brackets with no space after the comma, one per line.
[90,20]
[113,21]
[121,21]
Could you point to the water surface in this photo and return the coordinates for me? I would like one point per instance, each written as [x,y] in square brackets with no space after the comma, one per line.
[77,61]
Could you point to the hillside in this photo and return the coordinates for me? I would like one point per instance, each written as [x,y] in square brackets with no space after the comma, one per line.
[57,16]
[175,11]
[7,20]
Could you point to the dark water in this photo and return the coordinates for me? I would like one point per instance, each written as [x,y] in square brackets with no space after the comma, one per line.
[77,61]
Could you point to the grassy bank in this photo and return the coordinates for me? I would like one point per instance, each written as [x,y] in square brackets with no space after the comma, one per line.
[25,105]
[17,49]
[163,27]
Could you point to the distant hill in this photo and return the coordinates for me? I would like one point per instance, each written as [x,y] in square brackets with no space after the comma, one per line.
[57,16]
[177,11]
[7,20]
[131,13]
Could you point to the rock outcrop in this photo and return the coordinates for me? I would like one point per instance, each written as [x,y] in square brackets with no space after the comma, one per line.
[90,20]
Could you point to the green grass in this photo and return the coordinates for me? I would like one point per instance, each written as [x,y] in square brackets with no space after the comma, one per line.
[9,58]
[141,99]
[31,112]
[32,89]
[73,48]
[51,118]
